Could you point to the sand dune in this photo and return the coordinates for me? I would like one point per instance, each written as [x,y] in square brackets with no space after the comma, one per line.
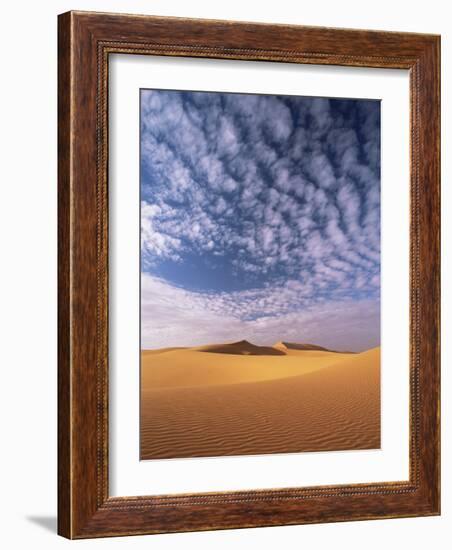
[189,368]
[220,403]
[283,346]
[241,348]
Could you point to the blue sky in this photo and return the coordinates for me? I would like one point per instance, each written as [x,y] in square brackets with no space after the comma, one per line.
[260,219]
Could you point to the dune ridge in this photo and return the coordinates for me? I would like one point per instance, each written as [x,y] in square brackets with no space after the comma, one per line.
[243,347]
[304,347]
[195,403]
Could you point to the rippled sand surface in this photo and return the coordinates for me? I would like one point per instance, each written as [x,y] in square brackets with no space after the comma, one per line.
[210,402]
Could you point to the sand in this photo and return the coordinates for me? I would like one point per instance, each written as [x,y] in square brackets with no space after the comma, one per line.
[225,401]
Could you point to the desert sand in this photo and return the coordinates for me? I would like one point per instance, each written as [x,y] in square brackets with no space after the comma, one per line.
[241,399]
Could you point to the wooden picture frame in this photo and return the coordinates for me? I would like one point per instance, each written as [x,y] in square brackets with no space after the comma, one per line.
[85,42]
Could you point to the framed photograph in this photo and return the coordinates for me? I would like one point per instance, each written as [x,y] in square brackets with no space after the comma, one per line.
[248,275]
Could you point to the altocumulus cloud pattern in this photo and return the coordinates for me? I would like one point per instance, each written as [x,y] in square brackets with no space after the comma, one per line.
[260,219]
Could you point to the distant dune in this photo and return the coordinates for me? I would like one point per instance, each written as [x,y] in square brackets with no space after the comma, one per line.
[304,347]
[239,399]
[241,348]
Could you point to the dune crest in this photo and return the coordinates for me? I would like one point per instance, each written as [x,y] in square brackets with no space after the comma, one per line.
[243,347]
[304,347]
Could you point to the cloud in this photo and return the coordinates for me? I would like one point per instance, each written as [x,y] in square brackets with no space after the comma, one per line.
[275,194]
[175,316]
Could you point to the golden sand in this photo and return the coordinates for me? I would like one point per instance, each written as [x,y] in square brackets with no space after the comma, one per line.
[222,401]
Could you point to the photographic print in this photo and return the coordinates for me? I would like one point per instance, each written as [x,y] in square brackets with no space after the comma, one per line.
[260,274]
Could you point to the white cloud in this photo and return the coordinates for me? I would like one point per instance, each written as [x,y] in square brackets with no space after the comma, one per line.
[172,316]
[284,188]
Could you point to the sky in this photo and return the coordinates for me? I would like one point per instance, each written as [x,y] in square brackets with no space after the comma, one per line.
[260,219]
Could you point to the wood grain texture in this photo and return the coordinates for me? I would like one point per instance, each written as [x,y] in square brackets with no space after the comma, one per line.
[85,42]
[64,296]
